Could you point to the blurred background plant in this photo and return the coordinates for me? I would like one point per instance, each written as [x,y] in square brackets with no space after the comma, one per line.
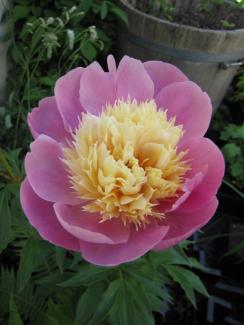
[228,128]
[50,38]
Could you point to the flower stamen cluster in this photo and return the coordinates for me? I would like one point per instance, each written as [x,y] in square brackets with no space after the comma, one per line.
[125,160]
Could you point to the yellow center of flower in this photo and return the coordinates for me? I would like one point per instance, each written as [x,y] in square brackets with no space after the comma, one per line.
[125,160]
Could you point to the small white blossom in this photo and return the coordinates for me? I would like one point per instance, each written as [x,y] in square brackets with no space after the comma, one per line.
[42,21]
[71,38]
[72,9]
[93,33]
[50,20]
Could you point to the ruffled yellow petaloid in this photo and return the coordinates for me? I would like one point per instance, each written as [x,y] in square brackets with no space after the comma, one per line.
[125,160]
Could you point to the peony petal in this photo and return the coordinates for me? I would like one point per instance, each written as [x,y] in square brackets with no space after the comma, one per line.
[204,157]
[67,97]
[46,119]
[86,226]
[140,242]
[183,225]
[111,64]
[133,81]
[163,74]
[41,215]
[189,185]
[97,89]
[189,105]
[46,172]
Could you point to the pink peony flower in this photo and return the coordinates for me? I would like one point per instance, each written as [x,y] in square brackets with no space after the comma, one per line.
[119,165]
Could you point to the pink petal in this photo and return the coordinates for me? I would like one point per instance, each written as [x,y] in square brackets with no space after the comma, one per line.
[67,97]
[189,185]
[86,226]
[163,74]
[46,172]
[183,225]
[111,64]
[97,89]
[204,156]
[133,81]
[189,104]
[42,217]
[140,242]
[46,119]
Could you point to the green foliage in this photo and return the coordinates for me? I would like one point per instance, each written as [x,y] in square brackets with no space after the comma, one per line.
[233,152]
[227,25]
[14,316]
[6,234]
[226,127]
[161,8]
[239,90]
[208,4]
[48,41]
[89,294]
[158,8]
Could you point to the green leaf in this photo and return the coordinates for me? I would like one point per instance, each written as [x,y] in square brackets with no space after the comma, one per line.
[237,168]
[169,256]
[150,282]
[120,14]
[37,37]
[7,288]
[57,314]
[89,274]
[60,256]
[50,320]
[196,282]
[120,311]
[231,151]
[17,55]
[75,261]
[52,279]
[104,10]
[140,303]
[5,221]
[88,303]
[194,263]
[239,134]
[88,50]
[106,303]
[85,5]
[188,282]
[14,316]
[179,278]
[233,131]
[28,262]
[5,163]
[47,81]
[227,25]
[19,12]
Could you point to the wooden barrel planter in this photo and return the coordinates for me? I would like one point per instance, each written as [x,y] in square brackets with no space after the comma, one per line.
[211,58]
[4,44]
